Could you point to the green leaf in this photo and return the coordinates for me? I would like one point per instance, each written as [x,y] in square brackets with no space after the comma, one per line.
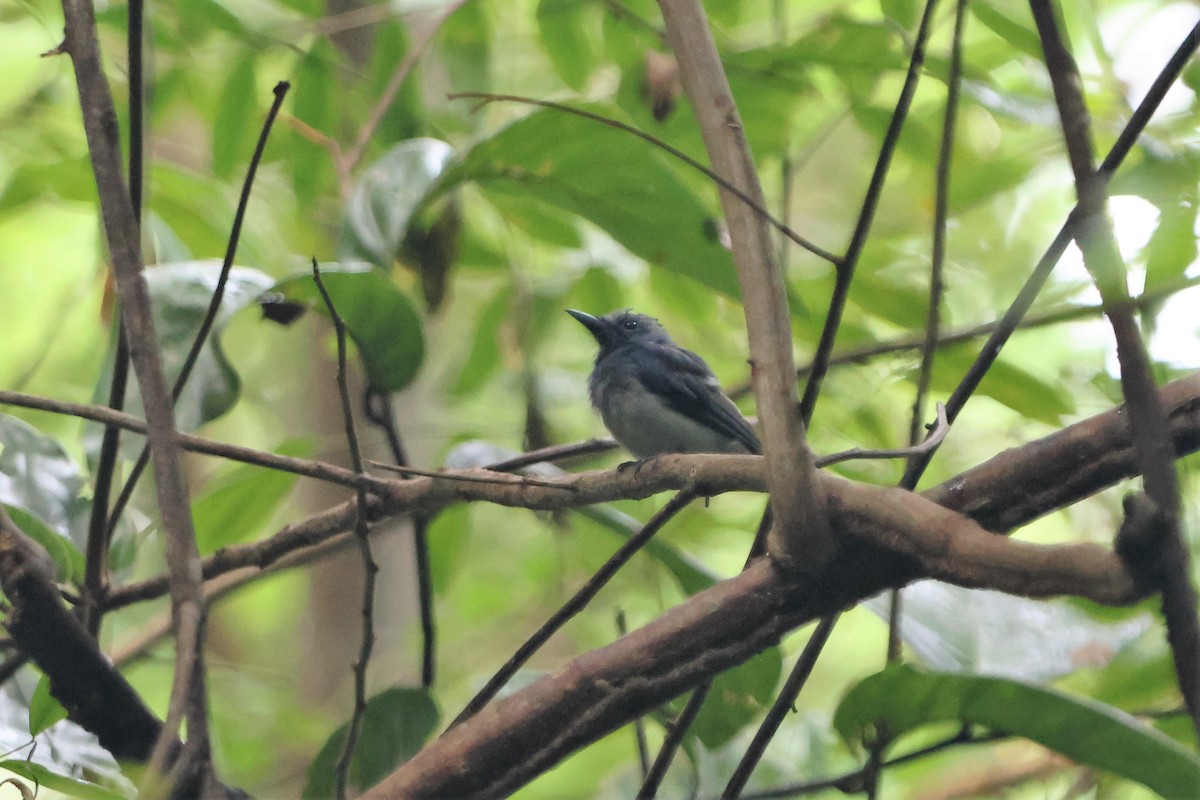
[181,293]
[243,500]
[44,710]
[903,12]
[738,696]
[466,39]
[976,631]
[68,561]
[379,317]
[386,198]
[563,27]
[484,355]
[71,787]
[234,113]
[692,575]
[37,474]
[404,117]
[312,104]
[1018,34]
[396,724]
[1172,247]
[605,176]
[902,698]
[1007,384]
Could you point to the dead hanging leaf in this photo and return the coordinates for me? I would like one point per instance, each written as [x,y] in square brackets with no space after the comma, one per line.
[662,86]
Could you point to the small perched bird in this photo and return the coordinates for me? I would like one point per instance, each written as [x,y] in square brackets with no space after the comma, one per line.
[654,396]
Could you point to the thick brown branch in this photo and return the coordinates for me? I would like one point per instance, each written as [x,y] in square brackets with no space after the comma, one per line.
[1010,490]
[889,537]
[1148,420]
[801,536]
[95,695]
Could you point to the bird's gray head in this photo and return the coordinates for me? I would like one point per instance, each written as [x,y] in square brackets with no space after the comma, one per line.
[618,328]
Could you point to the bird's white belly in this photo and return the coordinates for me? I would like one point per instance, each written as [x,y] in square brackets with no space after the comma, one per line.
[646,427]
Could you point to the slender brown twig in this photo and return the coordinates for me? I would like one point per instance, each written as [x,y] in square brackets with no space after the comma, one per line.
[800,537]
[362,537]
[576,604]
[858,240]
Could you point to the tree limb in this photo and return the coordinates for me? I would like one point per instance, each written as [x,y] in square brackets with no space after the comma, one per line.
[801,536]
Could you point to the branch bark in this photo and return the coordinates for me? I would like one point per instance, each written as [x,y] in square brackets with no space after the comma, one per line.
[801,537]
[890,537]
[1148,420]
[123,237]
[1009,490]
[96,696]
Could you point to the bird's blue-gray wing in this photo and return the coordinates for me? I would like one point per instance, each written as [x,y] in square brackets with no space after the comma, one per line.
[687,385]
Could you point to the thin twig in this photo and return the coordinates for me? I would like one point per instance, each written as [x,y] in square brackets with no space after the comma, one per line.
[96,548]
[362,536]
[675,152]
[858,240]
[214,305]
[779,709]
[318,470]
[852,782]
[935,437]
[523,480]
[379,411]
[639,725]
[576,604]
[1147,417]
[555,453]
[1037,279]
[674,738]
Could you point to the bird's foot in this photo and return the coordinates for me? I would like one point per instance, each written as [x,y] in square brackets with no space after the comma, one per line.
[636,466]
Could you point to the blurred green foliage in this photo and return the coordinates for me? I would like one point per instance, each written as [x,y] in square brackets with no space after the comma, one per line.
[480,224]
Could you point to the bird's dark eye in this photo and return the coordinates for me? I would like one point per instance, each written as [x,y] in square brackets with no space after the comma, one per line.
[630,325]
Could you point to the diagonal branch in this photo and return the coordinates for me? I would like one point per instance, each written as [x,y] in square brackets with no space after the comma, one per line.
[890,537]
[1147,418]
[122,234]
[801,537]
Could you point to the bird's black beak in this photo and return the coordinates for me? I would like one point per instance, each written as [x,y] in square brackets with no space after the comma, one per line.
[593,324]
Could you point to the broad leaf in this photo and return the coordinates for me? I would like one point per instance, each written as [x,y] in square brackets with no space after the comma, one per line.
[44,710]
[243,500]
[737,697]
[902,698]
[397,722]
[617,182]
[378,316]
[976,631]
[47,778]
[36,474]
[68,560]
[181,293]
[231,128]
[386,198]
